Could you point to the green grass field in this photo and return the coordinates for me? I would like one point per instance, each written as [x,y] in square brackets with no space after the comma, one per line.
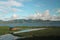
[5,29]
[47,32]
[55,31]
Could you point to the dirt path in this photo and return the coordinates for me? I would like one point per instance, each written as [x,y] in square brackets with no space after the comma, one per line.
[28,30]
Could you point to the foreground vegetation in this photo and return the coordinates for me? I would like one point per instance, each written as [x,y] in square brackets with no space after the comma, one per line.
[50,31]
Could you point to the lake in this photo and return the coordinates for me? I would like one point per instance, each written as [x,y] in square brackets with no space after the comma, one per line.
[33,24]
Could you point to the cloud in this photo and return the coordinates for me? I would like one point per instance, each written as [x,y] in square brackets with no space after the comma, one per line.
[46,13]
[25,0]
[58,11]
[14,3]
[16,10]
[6,6]
[2,7]
[3,11]
[14,16]
[44,16]
[35,16]
[55,18]
[11,3]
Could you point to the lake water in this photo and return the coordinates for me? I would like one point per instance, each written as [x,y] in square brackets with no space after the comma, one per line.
[33,24]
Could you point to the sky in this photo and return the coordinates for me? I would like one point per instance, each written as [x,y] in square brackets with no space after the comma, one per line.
[23,9]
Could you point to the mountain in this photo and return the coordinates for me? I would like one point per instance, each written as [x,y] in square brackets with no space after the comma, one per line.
[26,21]
[29,22]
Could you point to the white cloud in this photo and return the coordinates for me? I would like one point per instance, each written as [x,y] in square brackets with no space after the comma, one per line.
[55,18]
[3,11]
[2,7]
[58,11]
[46,13]
[14,3]
[44,16]
[11,3]
[2,2]
[35,16]
[6,7]
[25,0]
[14,16]
[16,10]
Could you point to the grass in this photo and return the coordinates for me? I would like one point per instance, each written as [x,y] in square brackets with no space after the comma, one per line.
[3,30]
[47,32]
[52,33]
[55,31]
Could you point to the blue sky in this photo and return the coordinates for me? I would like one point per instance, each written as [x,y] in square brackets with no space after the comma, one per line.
[24,8]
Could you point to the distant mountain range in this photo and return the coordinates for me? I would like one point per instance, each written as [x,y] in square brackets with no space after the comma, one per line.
[26,21]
